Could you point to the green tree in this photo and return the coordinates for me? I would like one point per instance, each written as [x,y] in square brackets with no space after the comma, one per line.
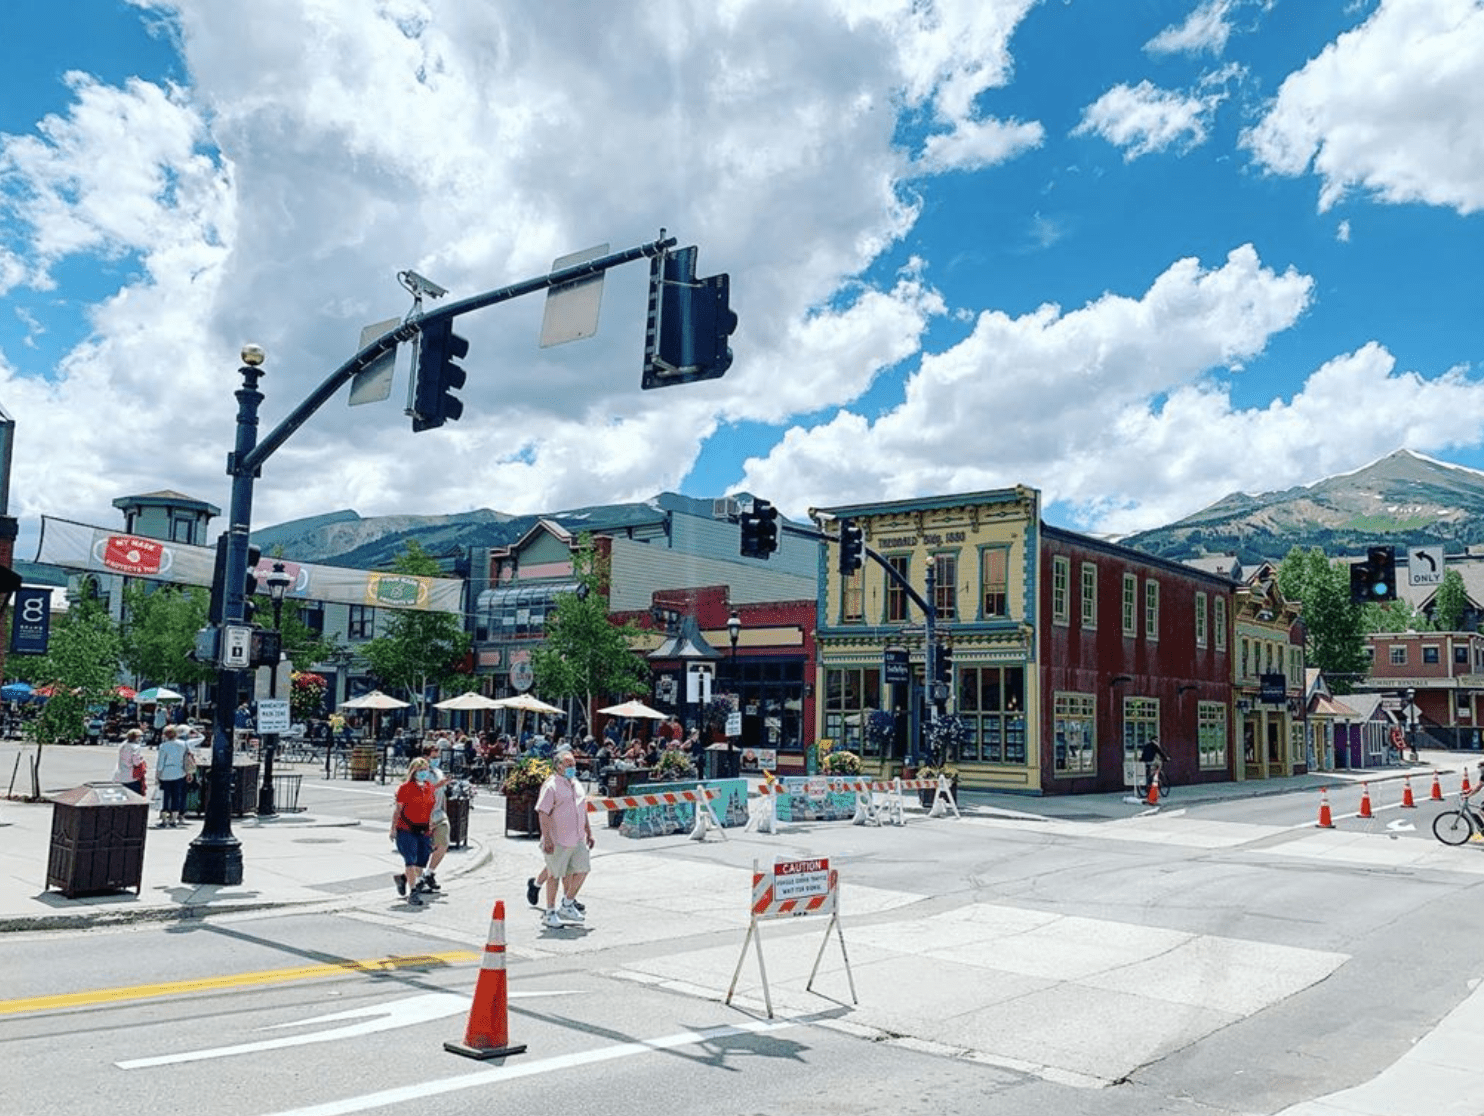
[160,632]
[1451,602]
[1395,616]
[419,649]
[1334,624]
[82,663]
[586,655]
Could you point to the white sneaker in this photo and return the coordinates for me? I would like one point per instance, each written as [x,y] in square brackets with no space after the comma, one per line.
[569,912]
[552,920]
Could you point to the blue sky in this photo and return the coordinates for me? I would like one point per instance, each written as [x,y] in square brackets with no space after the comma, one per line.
[1138,255]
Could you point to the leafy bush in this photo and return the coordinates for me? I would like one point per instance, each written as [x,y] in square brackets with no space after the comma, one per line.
[840,762]
[526,776]
[674,765]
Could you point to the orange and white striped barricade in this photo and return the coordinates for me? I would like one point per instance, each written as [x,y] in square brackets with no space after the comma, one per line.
[701,796]
[943,800]
[706,819]
[793,889]
[762,814]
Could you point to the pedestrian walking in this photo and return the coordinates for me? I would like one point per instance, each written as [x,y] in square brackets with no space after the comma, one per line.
[412,816]
[439,817]
[131,769]
[566,837]
[170,775]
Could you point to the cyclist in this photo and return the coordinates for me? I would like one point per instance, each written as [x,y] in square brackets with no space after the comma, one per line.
[1153,757]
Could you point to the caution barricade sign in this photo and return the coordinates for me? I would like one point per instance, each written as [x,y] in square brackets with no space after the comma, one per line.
[792,889]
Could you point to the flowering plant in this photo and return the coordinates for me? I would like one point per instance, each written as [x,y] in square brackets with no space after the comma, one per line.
[881,728]
[945,735]
[526,776]
[674,764]
[840,762]
[306,694]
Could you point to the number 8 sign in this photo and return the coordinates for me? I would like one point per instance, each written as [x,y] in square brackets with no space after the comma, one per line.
[32,626]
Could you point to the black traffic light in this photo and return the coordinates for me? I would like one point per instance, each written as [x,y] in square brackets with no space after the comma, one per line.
[1381,561]
[250,582]
[690,319]
[438,376]
[945,664]
[852,547]
[1360,583]
[265,648]
[759,530]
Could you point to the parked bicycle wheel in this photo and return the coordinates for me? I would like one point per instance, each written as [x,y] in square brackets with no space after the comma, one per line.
[1162,783]
[1452,827]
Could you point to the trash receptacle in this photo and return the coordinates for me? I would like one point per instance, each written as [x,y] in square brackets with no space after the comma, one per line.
[244,794]
[97,843]
[458,820]
[286,792]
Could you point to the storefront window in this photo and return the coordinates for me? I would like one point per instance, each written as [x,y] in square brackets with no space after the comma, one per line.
[849,695]
[992,705]
[1140,725]
[1211,734]
[1074,731]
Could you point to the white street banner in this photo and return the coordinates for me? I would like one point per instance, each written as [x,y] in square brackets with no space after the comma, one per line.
[76,546]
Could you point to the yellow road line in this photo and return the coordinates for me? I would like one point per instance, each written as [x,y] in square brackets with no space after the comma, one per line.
[235,980]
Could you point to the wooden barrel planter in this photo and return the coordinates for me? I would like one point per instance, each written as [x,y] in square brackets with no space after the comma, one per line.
[520,814]
[363,762]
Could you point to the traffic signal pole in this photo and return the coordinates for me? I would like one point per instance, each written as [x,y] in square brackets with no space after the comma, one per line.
[215,856]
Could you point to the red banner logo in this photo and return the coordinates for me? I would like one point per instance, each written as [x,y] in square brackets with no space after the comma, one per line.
[130,555]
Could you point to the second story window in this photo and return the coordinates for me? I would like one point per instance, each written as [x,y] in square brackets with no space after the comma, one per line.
[1130,603]
[853,598]
[994,570]
[362,622]
[1151,609]
[1220,624]
[1200,619]
[1399,656]
[896,598]
[1089,595]
[1060,573]
[947,589]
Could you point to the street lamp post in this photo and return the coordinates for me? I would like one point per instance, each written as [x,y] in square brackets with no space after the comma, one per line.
[1411,723]
[734,632]
[215,856]
[278,585]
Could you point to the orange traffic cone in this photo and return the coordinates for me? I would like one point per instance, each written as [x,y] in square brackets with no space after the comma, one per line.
[488,1032]
[1325,822]
[1365,803]
[1407,802]
[1437,790]
[1152,798]
[1466,789]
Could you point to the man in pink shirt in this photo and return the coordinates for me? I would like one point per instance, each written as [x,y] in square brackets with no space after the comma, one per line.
[566,837]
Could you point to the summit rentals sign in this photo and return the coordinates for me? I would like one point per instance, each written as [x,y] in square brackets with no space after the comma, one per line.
[76,546]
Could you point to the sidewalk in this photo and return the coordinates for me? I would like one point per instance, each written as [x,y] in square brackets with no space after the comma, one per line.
[295,859]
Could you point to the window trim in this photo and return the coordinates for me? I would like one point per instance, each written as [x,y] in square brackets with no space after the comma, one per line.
[1151,608]
[1130,605]
[1201,620]
[1088,600]
[984,549]
[1061,566]
[895,591]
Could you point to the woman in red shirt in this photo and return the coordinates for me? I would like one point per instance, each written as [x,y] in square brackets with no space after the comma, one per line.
[412,828]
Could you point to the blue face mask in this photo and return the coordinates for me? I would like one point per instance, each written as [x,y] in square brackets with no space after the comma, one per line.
[569,772]
[424,776]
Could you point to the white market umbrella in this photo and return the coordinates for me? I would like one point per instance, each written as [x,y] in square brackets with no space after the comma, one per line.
[634,708]
[469,701]
[375,700]
[155,695]
[526,704]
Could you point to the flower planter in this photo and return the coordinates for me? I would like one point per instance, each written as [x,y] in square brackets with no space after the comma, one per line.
[928,795]
[520,814]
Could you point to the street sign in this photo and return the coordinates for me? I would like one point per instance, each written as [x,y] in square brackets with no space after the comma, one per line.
[895,668]
[1424,565]
[236,646]
[373,383]
[273,715]
[572,308]
[800,879]
[1272,689]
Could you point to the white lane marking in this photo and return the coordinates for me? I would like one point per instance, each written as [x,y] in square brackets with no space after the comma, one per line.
[1400,826]
[517,1068]
[377,1017]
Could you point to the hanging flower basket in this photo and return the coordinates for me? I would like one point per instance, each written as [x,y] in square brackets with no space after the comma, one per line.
[841,762]
[946,736]
[881,729]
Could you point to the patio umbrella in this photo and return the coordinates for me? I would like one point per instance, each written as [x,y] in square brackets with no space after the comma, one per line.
[125,692]
[156,694]
[526,704]
[375,700]
[468,701]
[634,708]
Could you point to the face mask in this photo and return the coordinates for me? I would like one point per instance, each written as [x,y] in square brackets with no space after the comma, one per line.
[569,772]
[424,777]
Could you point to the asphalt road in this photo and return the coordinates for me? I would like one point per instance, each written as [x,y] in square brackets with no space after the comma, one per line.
[1327,962]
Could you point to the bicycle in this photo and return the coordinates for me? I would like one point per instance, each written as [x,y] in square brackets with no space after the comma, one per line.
[1159,781]
[1455,827]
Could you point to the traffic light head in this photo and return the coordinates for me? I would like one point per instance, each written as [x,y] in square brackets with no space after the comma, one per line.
[759,530]
[1381,561]
[250,582]
[852,547]
[438,376]
[690,320]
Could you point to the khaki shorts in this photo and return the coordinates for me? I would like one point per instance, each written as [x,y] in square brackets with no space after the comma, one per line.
[440,834]
[564,860]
